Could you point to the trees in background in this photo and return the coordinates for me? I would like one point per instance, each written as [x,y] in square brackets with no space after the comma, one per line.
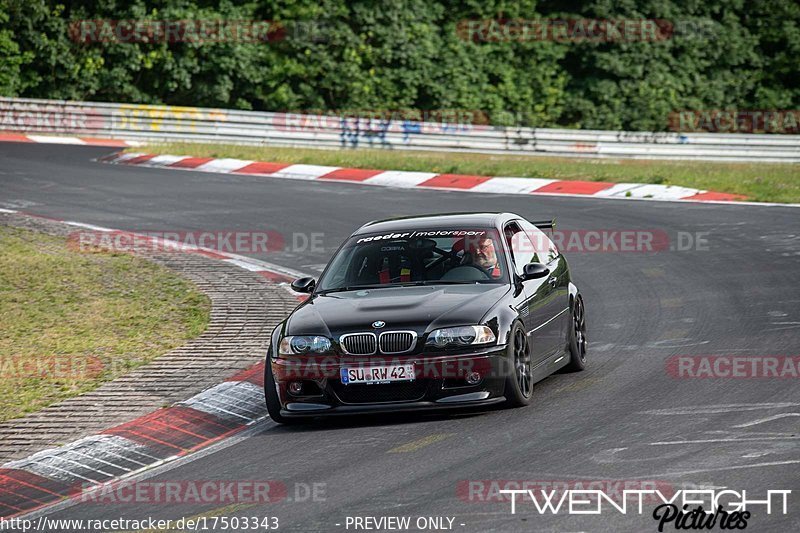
[413,54]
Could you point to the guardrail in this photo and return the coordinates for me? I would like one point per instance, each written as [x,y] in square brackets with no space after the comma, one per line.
[135,122]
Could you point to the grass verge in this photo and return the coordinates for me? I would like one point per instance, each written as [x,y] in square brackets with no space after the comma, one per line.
[70,320]
[761,182]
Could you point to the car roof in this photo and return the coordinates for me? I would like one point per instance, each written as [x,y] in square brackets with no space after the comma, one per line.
[443,220]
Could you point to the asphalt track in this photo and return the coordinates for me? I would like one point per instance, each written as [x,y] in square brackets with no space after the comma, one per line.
[624,418]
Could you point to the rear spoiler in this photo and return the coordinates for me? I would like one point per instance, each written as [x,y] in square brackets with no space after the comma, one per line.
[545,224]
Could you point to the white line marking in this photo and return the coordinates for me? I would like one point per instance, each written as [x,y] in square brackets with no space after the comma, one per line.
[223,165]
[665,191]
[163,160]
[264,265]
[702,470]
[109,463]
[716,409]
[247,265]
[61,473]
[768,419]
[250,405]
[129,459]
[96,444]
[400,178]
[227,398]
[125,156]
[505,185]
[303,172]
[639,190]
[88,226]
[709,441]
[206,406]
[55,140]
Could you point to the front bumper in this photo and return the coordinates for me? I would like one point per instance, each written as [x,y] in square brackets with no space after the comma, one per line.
[440,383]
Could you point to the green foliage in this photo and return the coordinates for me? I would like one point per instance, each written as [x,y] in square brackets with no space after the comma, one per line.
[413,54]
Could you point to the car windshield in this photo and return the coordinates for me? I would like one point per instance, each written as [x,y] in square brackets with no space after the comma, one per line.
[417,257]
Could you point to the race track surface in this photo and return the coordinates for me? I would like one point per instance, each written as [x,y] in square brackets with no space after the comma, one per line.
[624,418]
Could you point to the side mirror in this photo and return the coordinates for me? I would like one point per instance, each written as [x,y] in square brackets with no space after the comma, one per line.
[534,271]
[304,285]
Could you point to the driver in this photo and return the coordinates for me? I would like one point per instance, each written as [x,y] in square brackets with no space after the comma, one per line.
[484,256]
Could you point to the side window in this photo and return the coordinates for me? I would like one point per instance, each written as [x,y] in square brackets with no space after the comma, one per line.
[522,249]
[546,248]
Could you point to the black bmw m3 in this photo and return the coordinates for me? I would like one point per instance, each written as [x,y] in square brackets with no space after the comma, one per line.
[428,313]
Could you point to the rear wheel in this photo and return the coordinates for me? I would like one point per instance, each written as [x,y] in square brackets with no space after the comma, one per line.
[519,382]
[577,337]
[271,396]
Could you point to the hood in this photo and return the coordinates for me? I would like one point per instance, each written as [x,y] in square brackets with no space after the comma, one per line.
[421,309]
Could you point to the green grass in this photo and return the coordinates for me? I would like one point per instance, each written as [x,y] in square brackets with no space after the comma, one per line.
[70,320]
[767,182]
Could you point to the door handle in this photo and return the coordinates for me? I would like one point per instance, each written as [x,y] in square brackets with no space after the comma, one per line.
[552,281]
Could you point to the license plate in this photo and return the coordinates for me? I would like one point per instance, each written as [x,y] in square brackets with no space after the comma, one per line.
[377,374]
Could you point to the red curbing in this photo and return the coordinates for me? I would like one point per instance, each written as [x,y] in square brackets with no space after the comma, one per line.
[455,181]
[174,430]
[275,276]
[15,137]
[261,168]
[162,435]
[23,491]
[350,174]
[575,187]
[254,375]
[716,197]
[191,162]
[51,138]
[138,159]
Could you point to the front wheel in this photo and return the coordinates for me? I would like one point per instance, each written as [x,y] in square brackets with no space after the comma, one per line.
[519,382]
[577,337]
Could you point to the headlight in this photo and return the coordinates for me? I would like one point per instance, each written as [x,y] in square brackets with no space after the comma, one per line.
[304,344]
[461,336]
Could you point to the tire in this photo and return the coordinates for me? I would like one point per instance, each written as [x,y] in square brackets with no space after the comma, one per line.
[519,382]
[577,337]
[271,397]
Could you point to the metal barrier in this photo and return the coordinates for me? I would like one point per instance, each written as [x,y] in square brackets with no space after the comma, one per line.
[191,124]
